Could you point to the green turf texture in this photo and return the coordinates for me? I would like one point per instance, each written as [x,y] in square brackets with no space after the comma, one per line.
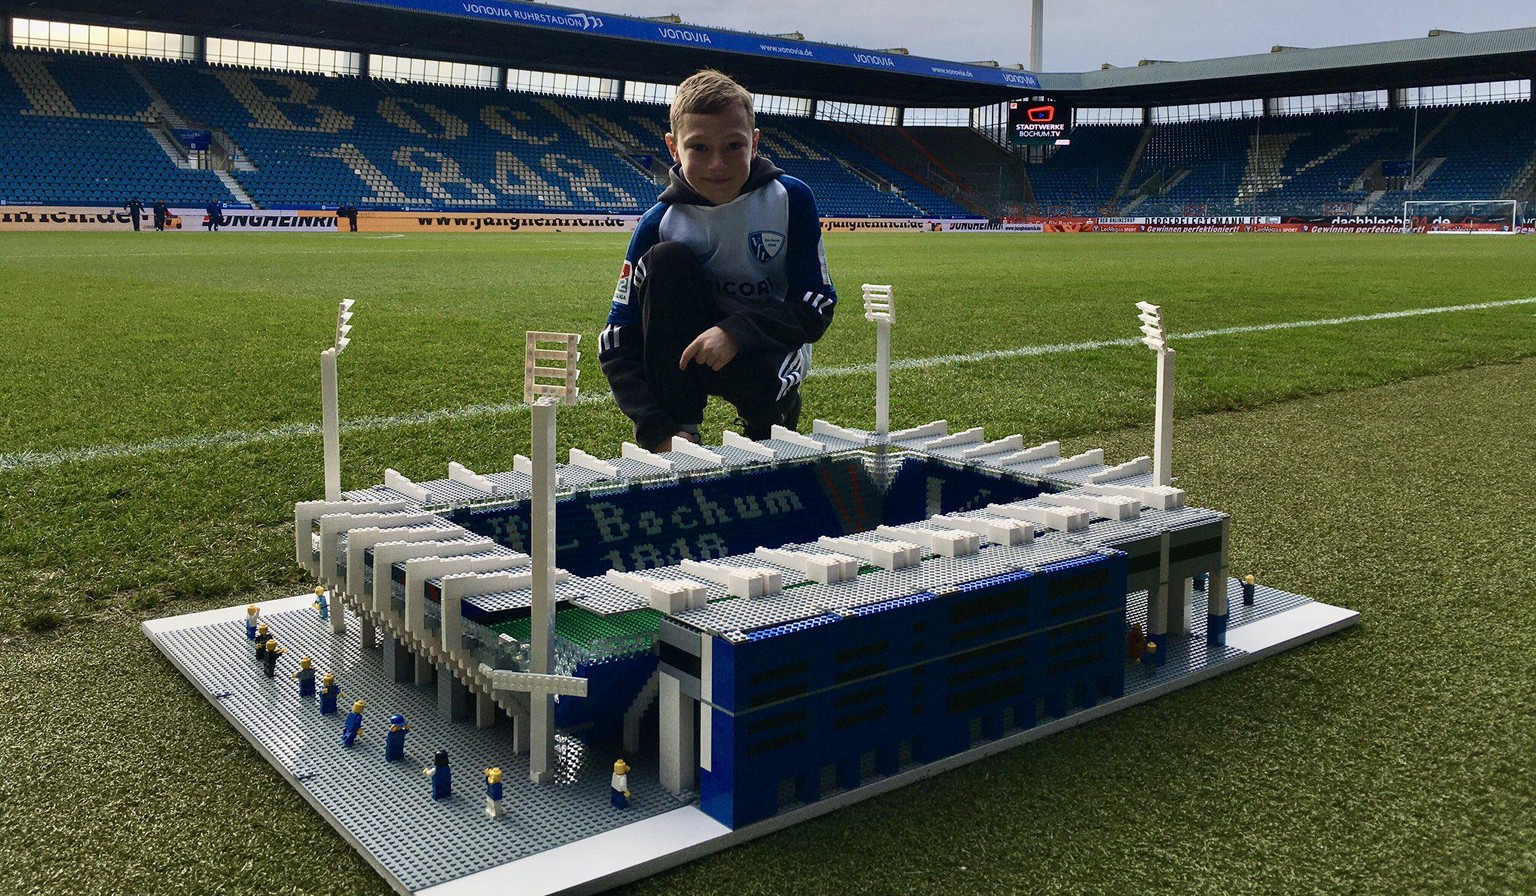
[582,628]
[1383,465]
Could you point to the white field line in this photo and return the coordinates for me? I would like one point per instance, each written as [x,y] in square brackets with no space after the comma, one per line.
[1032,350]
[32,460]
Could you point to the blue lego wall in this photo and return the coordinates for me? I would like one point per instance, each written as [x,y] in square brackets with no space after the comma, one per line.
[924,486]
[924,672]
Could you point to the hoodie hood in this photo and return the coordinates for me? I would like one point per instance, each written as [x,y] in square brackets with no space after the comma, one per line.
[678,192]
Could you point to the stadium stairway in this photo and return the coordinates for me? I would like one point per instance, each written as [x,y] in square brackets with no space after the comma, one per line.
[1092,172]
[905,150]
[78,132]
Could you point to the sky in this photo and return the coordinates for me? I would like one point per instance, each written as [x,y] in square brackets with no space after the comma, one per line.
[1082,34]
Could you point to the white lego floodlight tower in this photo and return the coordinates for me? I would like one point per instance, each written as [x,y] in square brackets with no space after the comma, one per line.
[545,387]
[879,307]
[331,414]
[1156,339]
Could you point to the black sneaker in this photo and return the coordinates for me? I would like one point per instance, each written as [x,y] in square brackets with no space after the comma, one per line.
[758,426]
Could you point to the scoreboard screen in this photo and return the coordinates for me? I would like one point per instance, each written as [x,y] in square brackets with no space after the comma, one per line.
[1042,123]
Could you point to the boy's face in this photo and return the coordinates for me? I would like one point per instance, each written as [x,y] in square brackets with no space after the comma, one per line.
[715,152]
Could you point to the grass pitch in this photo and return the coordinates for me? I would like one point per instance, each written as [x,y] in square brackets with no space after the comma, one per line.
[160,409]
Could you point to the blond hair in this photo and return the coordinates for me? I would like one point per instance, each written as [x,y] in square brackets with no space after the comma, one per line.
[709,92]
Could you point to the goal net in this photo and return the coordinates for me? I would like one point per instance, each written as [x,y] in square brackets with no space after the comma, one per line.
[1461,216]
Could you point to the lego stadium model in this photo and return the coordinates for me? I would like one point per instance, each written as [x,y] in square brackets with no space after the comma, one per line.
[568,676]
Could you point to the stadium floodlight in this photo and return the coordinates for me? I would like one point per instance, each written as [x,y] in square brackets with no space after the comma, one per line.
[546,386]
[1156,338]
[880,307]
[329,409]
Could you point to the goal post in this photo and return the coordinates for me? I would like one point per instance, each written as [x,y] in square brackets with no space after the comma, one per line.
[1476,216]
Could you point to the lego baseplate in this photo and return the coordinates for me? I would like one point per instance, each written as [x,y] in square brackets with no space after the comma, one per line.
[564,837]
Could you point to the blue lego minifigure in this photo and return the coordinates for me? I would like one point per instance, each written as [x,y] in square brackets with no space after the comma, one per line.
[493,792]
[321,604]
[394,741]
[305,677]
[1149,658]
[261,642]
[442,778]
[618,786]
[252,619]
[329,691]
[1248,589]
[353,726]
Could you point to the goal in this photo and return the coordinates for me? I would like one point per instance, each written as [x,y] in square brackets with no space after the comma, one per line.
[1461,216]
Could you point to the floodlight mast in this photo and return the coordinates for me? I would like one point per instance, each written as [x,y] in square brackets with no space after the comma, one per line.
[1037,36]
[330,413]
[880,307]
[1156,338]
[545,397]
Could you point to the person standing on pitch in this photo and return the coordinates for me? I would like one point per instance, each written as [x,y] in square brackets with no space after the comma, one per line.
[725,284]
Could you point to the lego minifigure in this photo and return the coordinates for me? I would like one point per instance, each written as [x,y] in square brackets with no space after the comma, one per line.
[1149,659]
[321,604]
[493,792]
[618,793]
[1135,644]
[270,657]
[329,691]
[353,727]
[305,677]
[252,619]
[1248,591]
[394,741]
[442,778]
[261,641]
[1202,580]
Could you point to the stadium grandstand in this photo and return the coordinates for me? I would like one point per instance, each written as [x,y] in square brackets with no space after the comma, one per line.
[516,107]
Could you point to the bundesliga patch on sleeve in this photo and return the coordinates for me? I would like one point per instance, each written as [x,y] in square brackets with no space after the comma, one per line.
[621,292]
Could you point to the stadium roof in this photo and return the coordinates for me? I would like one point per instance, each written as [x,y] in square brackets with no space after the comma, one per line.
[551,38]
[1441,59]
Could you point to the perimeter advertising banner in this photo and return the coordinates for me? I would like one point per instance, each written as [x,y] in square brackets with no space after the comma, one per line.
[981,225]
[511,222]
[888,225]
[494,222]
[63,218]
[1268,224]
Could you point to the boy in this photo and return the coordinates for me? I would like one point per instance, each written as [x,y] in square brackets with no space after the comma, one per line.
[725,283]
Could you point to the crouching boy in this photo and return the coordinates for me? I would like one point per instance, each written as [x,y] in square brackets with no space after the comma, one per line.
[725,284]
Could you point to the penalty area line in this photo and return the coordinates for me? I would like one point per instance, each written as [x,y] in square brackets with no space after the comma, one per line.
[35,460]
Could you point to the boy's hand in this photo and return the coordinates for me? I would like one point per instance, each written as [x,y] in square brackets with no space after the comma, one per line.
[714,348]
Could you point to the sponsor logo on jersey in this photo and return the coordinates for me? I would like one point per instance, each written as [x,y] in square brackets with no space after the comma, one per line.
[760,289]
[621,292]
[765,244]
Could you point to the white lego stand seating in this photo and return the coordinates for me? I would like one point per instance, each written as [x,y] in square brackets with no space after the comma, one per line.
[408,593]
